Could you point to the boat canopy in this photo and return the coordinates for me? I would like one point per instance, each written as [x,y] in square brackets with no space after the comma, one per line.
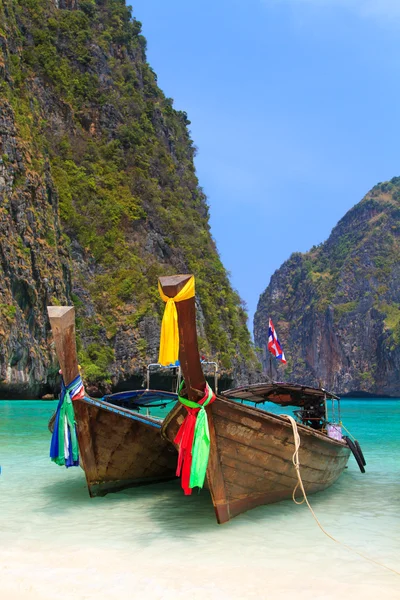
[284,394]
[138,398]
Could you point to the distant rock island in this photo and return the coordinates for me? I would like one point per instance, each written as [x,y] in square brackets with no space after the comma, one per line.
[336,308]
[98,197]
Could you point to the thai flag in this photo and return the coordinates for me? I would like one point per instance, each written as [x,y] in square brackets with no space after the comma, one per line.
[274,345]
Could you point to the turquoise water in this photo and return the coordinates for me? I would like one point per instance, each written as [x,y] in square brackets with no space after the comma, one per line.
[152,539]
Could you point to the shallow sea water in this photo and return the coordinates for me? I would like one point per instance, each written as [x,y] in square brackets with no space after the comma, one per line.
[152,542]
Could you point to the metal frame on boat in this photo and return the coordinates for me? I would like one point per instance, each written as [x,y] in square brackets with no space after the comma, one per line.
[250,459]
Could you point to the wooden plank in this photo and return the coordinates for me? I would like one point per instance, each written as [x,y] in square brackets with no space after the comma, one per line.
[241,465]
[119,452]
[215,478]
[283,464]
[62,321]
[263,444]
[264,431]
[189,356]
[235,412]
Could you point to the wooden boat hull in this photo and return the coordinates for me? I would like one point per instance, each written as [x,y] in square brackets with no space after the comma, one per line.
[251,453]
[120,448]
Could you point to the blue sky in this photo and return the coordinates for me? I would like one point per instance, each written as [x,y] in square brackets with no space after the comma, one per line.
[294,107]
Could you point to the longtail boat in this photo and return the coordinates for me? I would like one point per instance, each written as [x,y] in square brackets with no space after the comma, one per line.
[118,446]
[250,450]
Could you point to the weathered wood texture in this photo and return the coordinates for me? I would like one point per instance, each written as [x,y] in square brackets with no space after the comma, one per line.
[250,449]
[62,321]
[189,356]
[116,451]
[120,452]
[252,458]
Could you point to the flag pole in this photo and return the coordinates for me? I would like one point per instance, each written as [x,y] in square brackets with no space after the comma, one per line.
[274,346]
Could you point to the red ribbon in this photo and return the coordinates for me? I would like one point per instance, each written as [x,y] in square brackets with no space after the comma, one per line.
[184,439]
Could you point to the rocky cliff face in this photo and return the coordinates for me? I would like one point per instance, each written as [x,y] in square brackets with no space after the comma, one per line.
[337,307]
[98,197]
[34,268]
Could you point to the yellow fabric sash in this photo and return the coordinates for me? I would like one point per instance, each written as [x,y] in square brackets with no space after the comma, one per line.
[169,339]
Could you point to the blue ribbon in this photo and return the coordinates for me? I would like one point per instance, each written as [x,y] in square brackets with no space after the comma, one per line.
[67,392]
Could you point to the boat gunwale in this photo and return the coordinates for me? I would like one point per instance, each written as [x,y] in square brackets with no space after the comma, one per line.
[109,407]
[303,429]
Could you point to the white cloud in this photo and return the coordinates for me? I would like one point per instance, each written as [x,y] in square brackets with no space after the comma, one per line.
[386,9]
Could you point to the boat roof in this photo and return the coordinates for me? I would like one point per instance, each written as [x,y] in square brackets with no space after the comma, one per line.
[285,394]
[141,397]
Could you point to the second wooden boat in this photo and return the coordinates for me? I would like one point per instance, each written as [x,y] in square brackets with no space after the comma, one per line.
[119,447]
[251,450]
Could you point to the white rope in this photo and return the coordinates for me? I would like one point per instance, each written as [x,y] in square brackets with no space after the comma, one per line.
[350,434]
[296,463]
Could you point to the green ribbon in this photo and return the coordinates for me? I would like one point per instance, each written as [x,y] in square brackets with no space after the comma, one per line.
[66,412]
[201,439]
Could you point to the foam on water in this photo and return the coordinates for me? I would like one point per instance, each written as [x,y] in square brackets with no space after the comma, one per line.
[154,542]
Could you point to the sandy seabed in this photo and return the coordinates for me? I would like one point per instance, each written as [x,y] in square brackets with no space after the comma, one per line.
[59,574]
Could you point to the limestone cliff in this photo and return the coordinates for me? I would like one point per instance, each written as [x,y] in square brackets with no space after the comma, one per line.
[337,307]
[98,197]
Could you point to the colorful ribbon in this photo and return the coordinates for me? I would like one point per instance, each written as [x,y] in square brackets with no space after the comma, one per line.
[169,339]
[193,439]
[64,443]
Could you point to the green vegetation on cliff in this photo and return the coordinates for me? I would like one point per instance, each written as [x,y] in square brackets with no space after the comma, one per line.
[120,158]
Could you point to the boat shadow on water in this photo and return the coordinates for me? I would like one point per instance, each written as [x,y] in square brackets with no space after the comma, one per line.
[164,508]
[162,503]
